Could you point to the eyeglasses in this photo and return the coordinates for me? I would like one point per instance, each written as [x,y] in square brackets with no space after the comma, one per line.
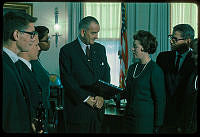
[30,33]
[171,37]
[49,38]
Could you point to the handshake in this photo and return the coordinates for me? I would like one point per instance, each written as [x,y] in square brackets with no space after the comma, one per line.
[96,101]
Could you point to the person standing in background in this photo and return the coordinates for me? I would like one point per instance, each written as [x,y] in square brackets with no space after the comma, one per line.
[177,65]
[42,76]
[83,62]
[31,85]
[187,121]
[18,36]
[145,88]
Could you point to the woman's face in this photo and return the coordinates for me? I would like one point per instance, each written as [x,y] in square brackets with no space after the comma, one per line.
[137,50]
[44,43]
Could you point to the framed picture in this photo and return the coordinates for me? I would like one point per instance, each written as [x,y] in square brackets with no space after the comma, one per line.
[17,6]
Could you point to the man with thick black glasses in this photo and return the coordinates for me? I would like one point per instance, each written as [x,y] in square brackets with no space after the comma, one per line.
[18,36]
[177,65]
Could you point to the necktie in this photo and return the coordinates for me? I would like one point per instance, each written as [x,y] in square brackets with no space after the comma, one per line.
[88,51]
[177,62]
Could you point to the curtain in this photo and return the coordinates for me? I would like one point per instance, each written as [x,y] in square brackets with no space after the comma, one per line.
[186,13]
[153,17]
[112,48]
[108,15]
[75,14]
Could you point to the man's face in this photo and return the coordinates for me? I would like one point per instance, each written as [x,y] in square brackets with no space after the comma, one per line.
[34,50]
[178,43]
[24,40]
[91,34]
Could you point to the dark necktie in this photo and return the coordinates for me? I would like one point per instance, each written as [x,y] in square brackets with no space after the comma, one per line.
[177,62]
[88,51]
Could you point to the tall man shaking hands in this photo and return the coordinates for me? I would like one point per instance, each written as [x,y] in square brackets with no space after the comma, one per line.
[83,62]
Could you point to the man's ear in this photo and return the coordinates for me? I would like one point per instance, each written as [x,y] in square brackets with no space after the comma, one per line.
[83,32]
[15,35]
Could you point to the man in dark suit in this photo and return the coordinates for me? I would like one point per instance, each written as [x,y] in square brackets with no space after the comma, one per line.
[42,76]
[177,66]
[187,121]
[82,63]
[32,86]
[18,35]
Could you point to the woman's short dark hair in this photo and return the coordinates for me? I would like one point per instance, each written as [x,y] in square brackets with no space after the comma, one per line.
[147,40]
[42,30]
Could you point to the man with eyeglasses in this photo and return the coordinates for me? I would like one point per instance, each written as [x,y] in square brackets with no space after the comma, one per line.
[18,36]
[177,65]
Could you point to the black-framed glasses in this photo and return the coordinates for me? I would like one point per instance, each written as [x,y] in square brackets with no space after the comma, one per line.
[30,33]
[49,38]
[171,37]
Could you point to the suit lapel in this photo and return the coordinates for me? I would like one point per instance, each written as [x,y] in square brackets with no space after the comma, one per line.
[173,57]
[24,66]
[14,68]
[186,61]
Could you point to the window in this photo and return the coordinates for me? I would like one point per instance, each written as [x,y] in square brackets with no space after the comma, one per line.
[184,13]
[109,17]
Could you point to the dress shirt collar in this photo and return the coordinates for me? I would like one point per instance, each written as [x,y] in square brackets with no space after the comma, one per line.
[83,46]
[11,54]
[28,64]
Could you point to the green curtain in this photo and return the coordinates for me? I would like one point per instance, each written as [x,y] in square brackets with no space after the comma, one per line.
[184,13]
[153,17]
[108,15]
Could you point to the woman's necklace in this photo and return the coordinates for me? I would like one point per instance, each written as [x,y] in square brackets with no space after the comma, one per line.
[134,76]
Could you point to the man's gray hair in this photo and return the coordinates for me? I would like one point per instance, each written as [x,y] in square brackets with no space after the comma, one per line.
[85,22]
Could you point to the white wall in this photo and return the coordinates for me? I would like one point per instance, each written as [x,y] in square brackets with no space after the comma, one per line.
[44,11]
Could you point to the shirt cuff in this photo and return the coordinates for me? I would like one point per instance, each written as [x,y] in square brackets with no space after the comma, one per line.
[86,99]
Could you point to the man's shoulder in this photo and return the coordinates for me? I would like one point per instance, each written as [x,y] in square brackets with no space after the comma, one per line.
[99,46]
[165,53]
[70,45]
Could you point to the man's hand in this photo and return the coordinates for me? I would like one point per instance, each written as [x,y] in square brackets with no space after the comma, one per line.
[34,129]
[99,102]
[91,101]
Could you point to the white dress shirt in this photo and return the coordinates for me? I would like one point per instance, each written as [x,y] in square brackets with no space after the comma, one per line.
[11,54]
[28,64]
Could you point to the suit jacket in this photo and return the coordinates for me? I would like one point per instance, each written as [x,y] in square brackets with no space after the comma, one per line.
[175,82]
[31,85]
[16,111]
[42,77]
[187,120]
[166,61]
[76,71]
